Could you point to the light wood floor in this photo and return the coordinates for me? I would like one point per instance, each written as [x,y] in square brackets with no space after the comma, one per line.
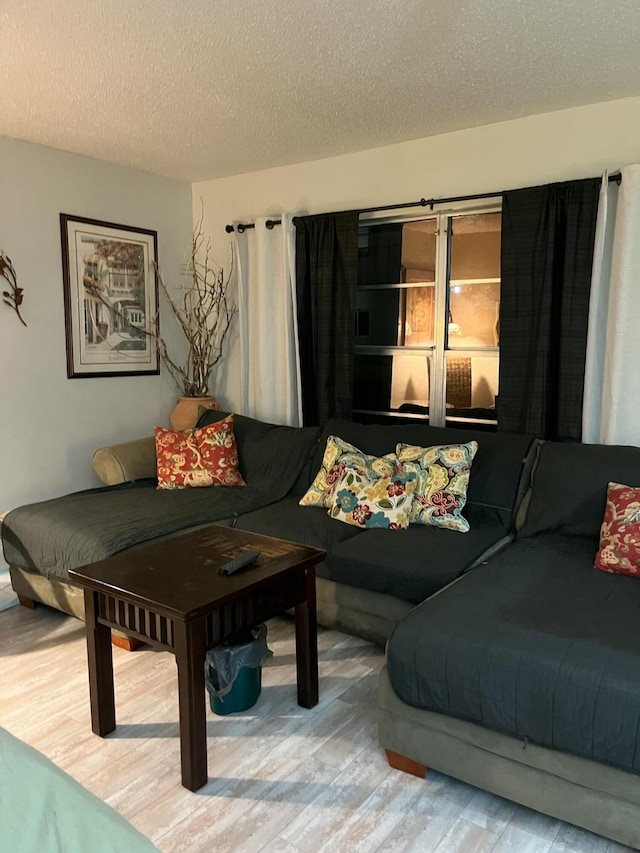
[281,778]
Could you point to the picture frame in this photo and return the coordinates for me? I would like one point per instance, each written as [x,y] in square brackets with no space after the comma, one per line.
[110,298]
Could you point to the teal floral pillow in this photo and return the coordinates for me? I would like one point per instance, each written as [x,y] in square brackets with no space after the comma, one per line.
[381,502]
[340,456]
[442,474]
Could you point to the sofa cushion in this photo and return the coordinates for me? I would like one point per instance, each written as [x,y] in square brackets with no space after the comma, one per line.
[496,476]
[382,502]
[339,456]
[267,452]
[286,519]
[198,458]
[409,564]
[619,550]
[570,484]
[536,644]
[54,536]
[443,478]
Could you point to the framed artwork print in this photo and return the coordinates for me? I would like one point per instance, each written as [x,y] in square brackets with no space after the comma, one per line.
[110,298]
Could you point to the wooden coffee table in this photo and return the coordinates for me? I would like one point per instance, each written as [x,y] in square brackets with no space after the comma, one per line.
[170,595]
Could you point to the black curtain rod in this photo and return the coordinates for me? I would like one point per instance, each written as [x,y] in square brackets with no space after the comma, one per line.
[271,223]
[244,226]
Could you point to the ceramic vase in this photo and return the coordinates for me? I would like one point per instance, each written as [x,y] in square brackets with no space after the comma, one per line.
[185,414]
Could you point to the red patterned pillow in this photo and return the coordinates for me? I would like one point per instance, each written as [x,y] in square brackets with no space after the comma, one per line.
[198,457]
[620,532]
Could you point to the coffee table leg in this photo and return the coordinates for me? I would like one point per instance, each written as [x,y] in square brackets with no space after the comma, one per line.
[100,659]
[307,645]
[190,655]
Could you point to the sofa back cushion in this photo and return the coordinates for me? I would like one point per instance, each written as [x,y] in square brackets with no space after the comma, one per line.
[268,452]
[569,488]
[496,478]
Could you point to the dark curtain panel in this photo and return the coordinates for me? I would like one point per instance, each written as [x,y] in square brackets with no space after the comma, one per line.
[326,279]
[547,253]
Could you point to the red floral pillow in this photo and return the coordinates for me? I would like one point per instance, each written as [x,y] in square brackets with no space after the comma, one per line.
[620,532]
[198,457]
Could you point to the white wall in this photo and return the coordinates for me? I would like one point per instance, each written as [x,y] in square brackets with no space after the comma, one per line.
[557,146]
[50,425]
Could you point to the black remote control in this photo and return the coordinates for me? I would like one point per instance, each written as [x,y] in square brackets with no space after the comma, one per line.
[238,562]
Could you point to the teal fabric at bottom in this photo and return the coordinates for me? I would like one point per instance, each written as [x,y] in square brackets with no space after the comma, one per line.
[44,809]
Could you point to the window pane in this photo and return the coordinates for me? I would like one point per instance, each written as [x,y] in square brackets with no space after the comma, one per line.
[372,382]
[394,252]
[474,286]
[388,383]
[410,382]
[395,317]
[473,315]
[419,250]
[378,317]
[379,254]
[419,316]
[475,246]
[472,386]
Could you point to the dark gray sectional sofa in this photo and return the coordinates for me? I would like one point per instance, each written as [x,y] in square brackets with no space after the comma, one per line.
[511,663]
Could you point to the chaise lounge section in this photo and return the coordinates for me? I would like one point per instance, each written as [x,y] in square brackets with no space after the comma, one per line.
[523,678]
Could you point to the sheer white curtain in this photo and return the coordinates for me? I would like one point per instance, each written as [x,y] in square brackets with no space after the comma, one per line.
[598,312]
[268,330]
[611,412]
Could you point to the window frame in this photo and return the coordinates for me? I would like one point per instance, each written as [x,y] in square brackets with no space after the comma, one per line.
[444,217]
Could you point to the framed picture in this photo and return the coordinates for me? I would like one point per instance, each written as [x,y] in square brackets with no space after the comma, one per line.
[110,298]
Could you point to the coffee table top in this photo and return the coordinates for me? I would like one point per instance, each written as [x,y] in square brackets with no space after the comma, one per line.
[179,576]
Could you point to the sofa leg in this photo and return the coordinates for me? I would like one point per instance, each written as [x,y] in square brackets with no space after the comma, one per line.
[27,602]
[407,765]
[130,644]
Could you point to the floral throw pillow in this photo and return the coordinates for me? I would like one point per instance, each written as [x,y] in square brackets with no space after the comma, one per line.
[619,550]
[381,502]
[442,473]
[340,456]
[198,457]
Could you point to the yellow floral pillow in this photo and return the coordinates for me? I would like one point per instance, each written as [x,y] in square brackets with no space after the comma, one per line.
[381,502]
[443,477]
[340,456]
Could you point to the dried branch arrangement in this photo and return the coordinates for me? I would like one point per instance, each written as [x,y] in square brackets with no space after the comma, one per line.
[204,308]
[12,297]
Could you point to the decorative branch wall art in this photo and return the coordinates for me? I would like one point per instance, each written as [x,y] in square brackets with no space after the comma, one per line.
[13,296]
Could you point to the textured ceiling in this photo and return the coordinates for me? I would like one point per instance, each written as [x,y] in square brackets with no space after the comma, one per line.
[206,88]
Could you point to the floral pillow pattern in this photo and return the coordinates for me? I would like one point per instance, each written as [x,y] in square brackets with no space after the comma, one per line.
[198,457]
[442,474]
[381,502]
[340,456]
[619,550]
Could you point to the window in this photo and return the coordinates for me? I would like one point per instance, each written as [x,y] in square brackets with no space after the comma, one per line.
[426,329]
[123,278]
